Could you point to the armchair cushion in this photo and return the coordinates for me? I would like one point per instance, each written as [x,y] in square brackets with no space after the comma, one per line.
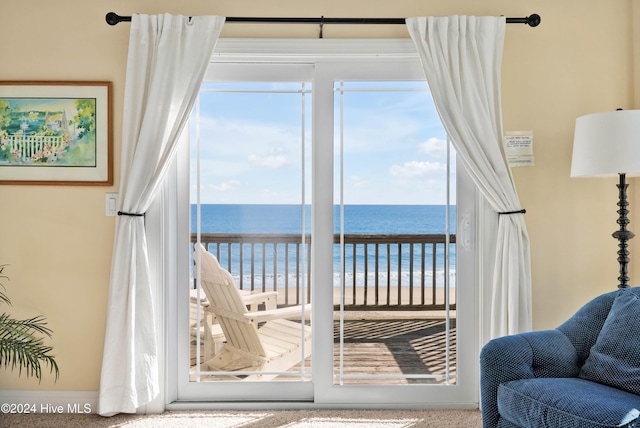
[550,402]
[547,353]
[615,358]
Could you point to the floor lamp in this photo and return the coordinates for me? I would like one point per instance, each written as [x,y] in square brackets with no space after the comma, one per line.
[605,145]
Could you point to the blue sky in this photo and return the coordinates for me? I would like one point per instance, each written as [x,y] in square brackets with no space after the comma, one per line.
[250,146]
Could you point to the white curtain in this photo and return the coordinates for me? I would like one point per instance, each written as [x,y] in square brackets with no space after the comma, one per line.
[167,59]
[461,57]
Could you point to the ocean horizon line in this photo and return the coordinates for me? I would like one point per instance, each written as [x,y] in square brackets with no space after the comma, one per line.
[404,258]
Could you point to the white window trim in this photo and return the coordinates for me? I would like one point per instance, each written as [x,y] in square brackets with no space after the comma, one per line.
[283,50]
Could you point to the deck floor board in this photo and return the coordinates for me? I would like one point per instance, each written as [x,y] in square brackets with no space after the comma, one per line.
[392,347]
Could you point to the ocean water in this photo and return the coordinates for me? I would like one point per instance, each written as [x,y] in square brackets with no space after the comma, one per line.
[358,219]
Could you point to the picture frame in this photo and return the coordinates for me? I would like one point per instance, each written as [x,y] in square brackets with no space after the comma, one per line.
[56,133]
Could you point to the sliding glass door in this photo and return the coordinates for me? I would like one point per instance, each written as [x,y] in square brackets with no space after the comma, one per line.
[324,199]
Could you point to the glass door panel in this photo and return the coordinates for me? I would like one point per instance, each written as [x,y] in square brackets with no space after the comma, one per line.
[394,252]
[248,199]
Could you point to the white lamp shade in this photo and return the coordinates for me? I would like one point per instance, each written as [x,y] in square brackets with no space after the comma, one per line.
[607,144]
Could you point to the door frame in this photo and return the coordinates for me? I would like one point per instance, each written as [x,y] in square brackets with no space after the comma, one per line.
[333,54]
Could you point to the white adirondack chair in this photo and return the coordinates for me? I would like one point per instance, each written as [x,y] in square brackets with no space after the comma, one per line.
[267,341]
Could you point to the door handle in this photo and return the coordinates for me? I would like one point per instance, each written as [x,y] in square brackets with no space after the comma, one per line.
[465,232]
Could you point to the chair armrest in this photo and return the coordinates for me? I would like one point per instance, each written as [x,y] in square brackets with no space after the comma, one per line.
[269,298]
[545,353]
[289,312]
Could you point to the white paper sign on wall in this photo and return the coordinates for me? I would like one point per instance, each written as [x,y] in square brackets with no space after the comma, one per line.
[518,148]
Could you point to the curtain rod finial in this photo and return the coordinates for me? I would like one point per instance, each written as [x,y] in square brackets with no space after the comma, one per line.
[533,20]
[113,18]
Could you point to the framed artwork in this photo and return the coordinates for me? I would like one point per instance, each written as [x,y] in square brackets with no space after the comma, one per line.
[56,133]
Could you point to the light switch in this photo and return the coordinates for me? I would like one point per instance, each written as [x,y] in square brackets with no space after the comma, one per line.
[111,204]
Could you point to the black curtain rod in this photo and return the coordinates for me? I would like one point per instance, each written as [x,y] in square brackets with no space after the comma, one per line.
[532,20]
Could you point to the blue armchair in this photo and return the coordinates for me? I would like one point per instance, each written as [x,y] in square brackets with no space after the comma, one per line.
[585,373]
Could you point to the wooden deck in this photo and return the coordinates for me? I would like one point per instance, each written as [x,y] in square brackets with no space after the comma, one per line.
[392,347]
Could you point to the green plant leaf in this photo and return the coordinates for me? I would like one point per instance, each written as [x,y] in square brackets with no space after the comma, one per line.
[21,348]
[3,296]
[22,342]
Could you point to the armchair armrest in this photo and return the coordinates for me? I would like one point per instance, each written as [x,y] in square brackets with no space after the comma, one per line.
[269,298]
[547,353]
[289,312]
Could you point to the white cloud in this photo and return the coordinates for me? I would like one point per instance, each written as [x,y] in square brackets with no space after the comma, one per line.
[226,186]
[268,161]
[416,169]
[358,182]
[435,148]
[377,133]
[228,137]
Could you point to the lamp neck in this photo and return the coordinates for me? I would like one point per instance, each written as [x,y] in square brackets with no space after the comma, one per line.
[623,235]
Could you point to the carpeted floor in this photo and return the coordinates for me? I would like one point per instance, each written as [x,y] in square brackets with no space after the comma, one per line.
[257,419]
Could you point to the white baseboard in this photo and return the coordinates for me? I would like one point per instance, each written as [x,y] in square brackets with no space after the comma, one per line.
[37,401]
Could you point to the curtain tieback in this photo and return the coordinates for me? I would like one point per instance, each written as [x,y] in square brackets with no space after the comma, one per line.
[130,214]
[522,211]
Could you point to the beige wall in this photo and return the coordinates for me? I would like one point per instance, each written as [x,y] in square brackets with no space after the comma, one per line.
[58,241]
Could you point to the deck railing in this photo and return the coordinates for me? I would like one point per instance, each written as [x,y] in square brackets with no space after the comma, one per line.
[381,271]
